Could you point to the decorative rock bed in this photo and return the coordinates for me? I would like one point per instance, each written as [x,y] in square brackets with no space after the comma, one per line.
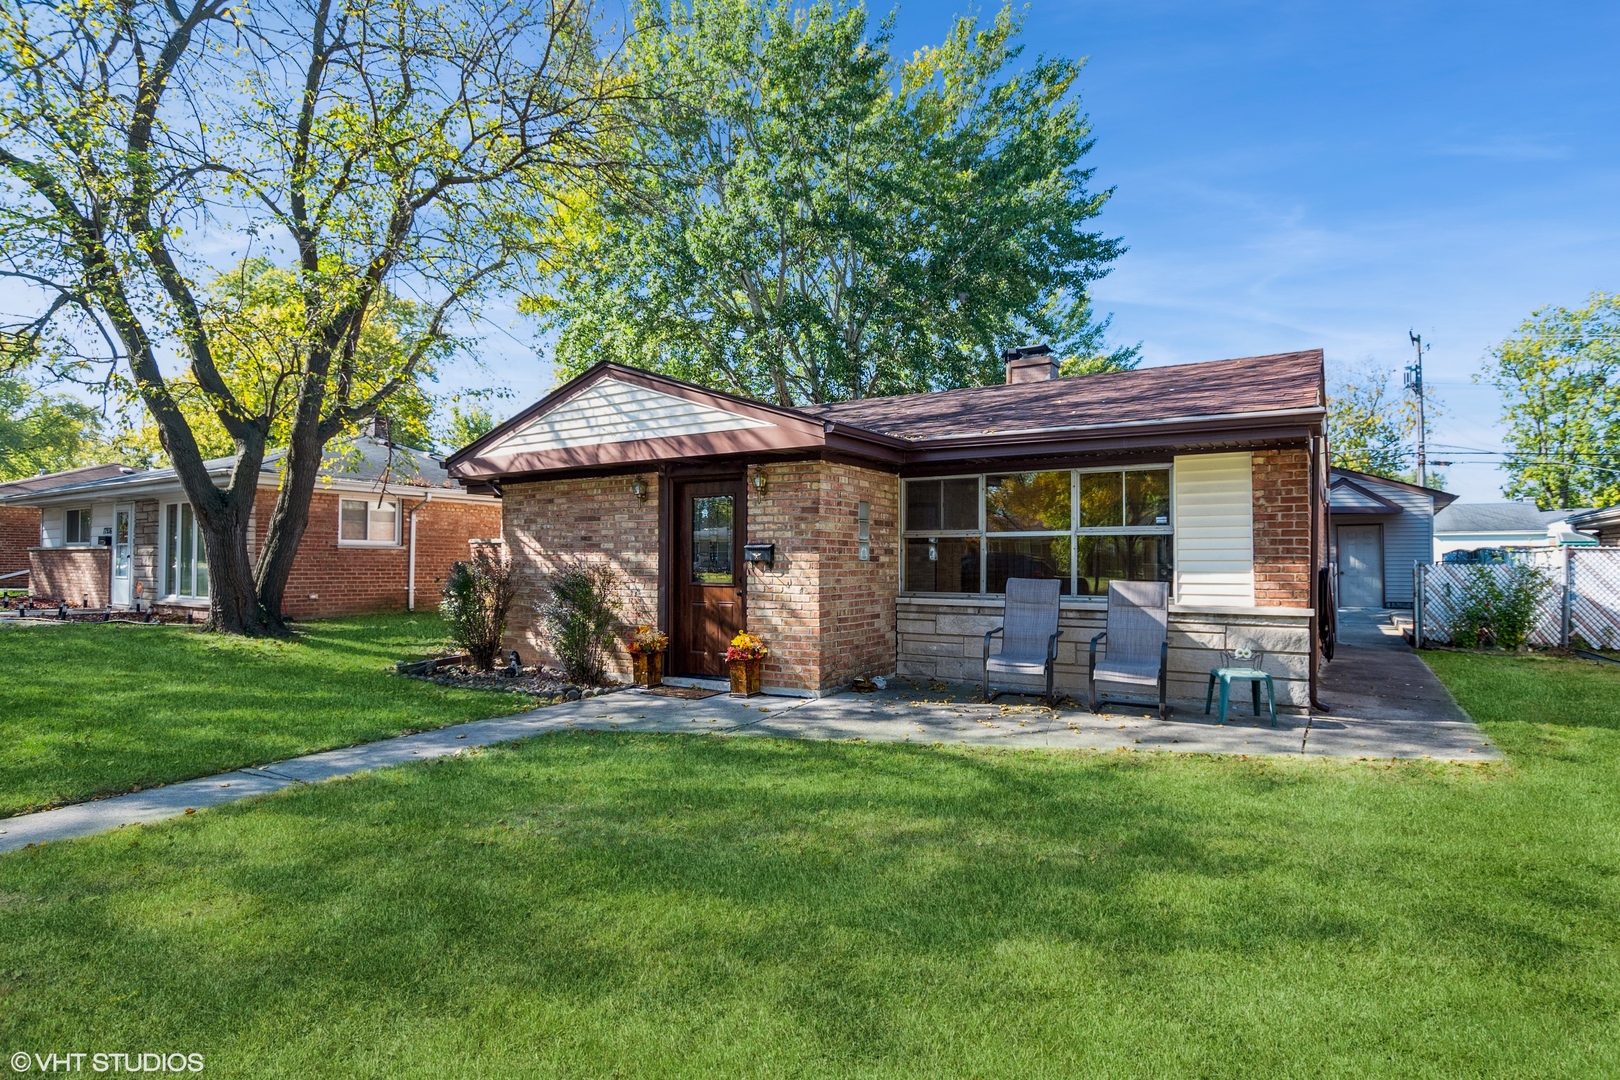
[537,682]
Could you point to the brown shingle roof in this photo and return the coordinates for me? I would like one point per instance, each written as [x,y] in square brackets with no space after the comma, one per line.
[1254,384]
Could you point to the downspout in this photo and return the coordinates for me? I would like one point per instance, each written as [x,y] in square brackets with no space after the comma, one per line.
[1319,525]
[410,566]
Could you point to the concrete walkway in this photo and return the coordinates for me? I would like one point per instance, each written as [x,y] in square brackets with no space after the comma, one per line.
[924,714]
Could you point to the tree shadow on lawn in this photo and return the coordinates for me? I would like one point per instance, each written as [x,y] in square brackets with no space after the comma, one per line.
[686,878]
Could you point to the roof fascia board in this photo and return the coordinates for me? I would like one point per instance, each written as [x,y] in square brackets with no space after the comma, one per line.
[647,452]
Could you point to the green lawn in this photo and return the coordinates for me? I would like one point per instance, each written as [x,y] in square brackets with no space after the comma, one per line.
[599,905]
[89,710]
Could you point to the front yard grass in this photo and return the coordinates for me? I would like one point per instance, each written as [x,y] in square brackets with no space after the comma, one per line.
[88,710]
[597,904]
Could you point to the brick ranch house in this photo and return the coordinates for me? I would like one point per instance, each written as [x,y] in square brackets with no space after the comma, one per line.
[875,537]
[19,525]
[385,524]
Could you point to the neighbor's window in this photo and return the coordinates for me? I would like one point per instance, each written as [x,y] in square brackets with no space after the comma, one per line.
[185,560]
[361,521]
[1084,527]
[78,527]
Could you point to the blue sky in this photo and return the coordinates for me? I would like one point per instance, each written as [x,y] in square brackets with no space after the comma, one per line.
[1296,175]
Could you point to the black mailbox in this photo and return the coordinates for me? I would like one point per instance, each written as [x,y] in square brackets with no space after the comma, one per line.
[764,554]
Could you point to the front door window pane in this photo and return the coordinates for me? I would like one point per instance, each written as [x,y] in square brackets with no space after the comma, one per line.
[1102,504]
[1147,497]
[713,534]
[1041,557]
[121,544]
[944,564]
[1027,502]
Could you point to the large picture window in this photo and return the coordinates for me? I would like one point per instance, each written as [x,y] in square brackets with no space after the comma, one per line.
[185,560]
[1083,527]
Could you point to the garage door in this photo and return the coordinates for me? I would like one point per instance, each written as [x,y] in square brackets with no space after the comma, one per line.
[1361,566]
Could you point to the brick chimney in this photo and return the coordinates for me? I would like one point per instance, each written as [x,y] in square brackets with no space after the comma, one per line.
[1030,363]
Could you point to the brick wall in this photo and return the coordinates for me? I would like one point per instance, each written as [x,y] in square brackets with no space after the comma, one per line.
[857,598]
[782,599]
[329,580]
[19,531]
[598,520]
[74,574]
[1282,528]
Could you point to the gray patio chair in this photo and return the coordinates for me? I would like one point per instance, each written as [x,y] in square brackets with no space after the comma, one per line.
[1029,633]
[1138,641]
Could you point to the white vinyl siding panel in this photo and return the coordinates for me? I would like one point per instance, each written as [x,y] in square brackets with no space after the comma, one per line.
[101,521]
[611,411]
[52,527]
[1408,539]
[1214,528]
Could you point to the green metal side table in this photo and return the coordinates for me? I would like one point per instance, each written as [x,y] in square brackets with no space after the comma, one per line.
[1241,665]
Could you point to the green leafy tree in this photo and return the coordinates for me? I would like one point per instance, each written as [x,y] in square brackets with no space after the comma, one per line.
[374,149]
[466,424]
[43,432]
[1559,378]
[1372,425]
[816,221]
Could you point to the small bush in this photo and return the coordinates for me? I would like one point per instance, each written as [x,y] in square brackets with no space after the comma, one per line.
[476,601]
[579,620]
[1498,606]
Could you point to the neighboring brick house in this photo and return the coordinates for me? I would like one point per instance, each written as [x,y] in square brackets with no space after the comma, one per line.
[19,525]
[875,537]
[385,524]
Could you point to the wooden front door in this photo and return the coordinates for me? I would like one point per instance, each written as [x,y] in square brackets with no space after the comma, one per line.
[710,585]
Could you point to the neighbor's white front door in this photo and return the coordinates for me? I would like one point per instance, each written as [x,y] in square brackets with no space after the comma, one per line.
[123,554]
[1361,566]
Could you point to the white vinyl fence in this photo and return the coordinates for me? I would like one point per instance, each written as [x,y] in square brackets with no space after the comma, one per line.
[1581,605]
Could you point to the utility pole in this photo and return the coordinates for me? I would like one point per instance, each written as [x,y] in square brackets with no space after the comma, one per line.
[1414,382]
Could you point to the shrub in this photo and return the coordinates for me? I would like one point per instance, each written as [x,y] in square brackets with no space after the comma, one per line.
[1498,606]
[579,620]
[476,601]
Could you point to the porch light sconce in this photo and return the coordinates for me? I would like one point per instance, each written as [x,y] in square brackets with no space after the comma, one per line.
[758,480]
[639,486]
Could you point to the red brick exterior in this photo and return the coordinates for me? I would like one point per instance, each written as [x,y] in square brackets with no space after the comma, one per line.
[19,531]
[826,616]
[79,575]
[1282,528]
[329,580]
[597,520]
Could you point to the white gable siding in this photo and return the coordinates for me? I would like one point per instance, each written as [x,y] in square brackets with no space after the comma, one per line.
[611,411]
[1214,507]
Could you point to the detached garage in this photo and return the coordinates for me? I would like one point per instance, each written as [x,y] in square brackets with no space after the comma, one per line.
[1380,529]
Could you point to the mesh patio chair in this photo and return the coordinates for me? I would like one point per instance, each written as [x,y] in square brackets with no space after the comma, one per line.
[1137,639]
[1029,633]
